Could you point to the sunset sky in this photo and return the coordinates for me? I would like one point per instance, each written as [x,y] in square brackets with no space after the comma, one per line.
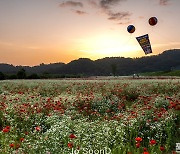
[49,31]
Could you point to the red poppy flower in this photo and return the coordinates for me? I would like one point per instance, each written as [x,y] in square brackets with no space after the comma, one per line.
[145,152]
[11,145]
[72,136]
[70,145]
[145,149]
[155,119]
[21,139]
[38,128]
[152,142]
[137,145]
[138,139]
[6,129]
[162,148]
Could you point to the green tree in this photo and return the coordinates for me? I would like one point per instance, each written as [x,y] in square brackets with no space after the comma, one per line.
[114,69]
[21,74]
[12,76]
[2,76]
[33,76]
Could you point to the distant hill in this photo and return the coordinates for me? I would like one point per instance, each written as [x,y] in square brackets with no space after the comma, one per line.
[42,68]
[166,61]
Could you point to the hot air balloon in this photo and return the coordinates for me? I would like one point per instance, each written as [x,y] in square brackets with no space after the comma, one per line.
[153,21]
[131,29]
[144,40]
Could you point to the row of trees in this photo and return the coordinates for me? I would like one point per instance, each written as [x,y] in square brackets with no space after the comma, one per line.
[22,74]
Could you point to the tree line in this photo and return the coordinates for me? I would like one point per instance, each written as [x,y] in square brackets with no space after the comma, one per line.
[83,67]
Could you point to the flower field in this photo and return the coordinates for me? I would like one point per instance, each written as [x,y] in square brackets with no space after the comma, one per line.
[89,116]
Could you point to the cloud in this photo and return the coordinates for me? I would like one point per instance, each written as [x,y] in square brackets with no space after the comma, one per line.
[124,23]
[163,2]
[79,12]
[107,3]
[93,3]
[71,4]
[107,7]
[119,16]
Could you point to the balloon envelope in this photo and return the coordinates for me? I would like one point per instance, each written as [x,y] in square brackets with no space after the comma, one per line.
[153,21]
[131,29]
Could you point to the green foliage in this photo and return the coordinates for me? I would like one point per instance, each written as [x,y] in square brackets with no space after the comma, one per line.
[21,74]
[114,69]
[33,76]
[162,73]
[2,76]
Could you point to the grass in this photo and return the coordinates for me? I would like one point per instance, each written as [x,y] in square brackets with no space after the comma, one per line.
[162,73]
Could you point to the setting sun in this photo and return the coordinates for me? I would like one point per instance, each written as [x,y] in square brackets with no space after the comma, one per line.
[108,46]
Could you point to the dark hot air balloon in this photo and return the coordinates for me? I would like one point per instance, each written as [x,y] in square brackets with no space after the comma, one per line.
[153,21]
[131,29]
